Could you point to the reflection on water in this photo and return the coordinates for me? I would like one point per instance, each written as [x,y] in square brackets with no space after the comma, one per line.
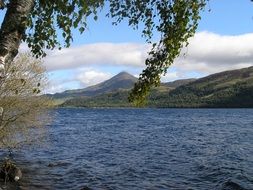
[156,149]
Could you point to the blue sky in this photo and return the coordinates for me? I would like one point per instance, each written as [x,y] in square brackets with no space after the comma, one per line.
[227,17]
[223,41]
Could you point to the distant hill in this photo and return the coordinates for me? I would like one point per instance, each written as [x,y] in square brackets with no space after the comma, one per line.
[121,81]
[178,83]
[226,89]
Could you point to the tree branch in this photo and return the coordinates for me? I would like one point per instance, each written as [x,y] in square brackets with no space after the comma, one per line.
[1,115]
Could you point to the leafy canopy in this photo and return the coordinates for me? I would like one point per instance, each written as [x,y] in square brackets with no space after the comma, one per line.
[63,15]
[175,20]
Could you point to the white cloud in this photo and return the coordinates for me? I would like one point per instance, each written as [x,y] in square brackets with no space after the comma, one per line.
[60,85]
[92,77]
[170,76]
[209,53]
[23,47]
[80,79]
[130,54]
[54,88]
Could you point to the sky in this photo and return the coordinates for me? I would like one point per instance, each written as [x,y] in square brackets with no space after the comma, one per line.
[224,41]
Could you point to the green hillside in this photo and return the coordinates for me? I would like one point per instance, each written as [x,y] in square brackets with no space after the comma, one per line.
[226,89]
[178,83]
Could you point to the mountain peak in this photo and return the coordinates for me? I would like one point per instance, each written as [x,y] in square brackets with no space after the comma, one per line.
[124,76]
[124,73]
[121,81]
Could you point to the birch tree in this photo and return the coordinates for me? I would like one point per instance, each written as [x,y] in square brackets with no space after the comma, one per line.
[42,23]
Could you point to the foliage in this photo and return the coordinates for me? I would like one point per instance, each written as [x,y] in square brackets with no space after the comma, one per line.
[23,108]
[175,20]
[65,15]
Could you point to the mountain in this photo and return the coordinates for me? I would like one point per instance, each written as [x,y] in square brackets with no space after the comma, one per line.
[226,89]
[121,81]
[178,83]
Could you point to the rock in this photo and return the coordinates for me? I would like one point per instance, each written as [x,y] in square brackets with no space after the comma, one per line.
[15,174]
[10,172]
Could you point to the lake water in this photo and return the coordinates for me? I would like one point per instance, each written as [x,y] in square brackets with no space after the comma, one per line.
[135,149]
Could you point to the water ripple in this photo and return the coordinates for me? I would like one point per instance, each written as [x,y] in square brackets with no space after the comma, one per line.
[153,149]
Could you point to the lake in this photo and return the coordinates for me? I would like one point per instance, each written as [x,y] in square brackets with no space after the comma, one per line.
[135,149]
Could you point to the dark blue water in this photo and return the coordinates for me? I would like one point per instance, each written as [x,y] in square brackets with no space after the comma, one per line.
[135,149]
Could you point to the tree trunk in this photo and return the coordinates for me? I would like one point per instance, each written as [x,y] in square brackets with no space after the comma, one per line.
[11,33]
[12,30]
